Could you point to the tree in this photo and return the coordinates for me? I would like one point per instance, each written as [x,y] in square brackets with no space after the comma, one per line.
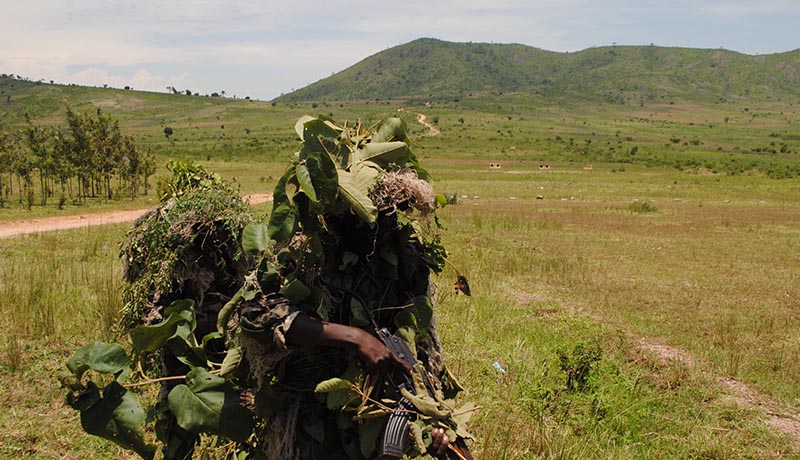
[107,152]
[91,149]
[77,145]
[6,160]
[168,132]
[22,168]
[39,142]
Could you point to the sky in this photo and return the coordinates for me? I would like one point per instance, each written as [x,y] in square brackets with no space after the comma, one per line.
[264,48]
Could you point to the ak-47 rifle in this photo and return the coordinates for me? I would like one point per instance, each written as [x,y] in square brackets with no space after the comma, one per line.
[395,431]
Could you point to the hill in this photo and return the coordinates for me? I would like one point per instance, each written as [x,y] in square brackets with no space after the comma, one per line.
[430,68]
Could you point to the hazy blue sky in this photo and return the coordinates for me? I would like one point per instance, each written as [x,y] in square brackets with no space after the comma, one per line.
[262,48]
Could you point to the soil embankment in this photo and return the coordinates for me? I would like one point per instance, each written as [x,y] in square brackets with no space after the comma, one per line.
[47,224]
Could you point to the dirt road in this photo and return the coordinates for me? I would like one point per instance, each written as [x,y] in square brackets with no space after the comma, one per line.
[434,131]
[22,227]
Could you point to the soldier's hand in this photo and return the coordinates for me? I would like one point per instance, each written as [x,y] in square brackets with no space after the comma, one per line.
[374,355]
[439,443]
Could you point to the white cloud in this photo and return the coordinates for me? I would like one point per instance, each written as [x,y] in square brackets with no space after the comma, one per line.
[749,8]
[142,79]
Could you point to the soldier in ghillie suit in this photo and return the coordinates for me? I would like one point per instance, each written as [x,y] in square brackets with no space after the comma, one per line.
[187,248]
[356,242]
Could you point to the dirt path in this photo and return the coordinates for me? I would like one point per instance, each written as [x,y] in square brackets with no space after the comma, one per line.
[779,418]
[47,224]
[434,131]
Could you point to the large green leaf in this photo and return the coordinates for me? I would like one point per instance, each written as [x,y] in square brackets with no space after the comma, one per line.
[184,346]
[84,398]
[359,316]
[233,358]
[405,318]
[118,417]
[279,195]
[299,127]
[338,398]
[209,404]
[295,291]
[226,311]
[315,128]
[368,435]
[324,176]
[423,311]
[254,238]
[105,358]
[151,338]
[269,401]
[304,179]
[354,189]
[390,129]
[268,277]
[336,383]
[315,428]
[384,153]
[366,174]
[282,223]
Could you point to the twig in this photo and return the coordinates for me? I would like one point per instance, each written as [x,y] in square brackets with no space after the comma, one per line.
[474,409]
[148,382]
[456,451]
[163,379]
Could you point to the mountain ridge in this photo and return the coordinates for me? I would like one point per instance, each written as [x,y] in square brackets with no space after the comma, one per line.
[432,68]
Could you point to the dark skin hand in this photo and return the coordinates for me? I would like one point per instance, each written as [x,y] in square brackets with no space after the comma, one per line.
[373,354]
[439,443]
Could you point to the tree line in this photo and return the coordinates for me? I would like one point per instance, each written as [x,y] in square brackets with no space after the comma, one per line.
[74,162]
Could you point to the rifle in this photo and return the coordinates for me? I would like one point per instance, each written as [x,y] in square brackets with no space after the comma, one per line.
[395,431]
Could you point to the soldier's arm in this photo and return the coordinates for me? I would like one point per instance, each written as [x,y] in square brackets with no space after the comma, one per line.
[373,353]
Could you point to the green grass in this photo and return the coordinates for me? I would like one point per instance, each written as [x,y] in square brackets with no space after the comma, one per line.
[710,277]
[58,291]
[550,274]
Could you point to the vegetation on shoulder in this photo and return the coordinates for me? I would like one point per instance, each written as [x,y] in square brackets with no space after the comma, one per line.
[186,247]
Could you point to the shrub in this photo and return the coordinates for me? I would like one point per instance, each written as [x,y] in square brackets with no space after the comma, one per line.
[642,207]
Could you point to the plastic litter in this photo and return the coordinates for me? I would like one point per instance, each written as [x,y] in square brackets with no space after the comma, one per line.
[499,367]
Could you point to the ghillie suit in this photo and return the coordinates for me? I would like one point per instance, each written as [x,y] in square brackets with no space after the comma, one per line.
[356,240]
[352,239]
[187,248]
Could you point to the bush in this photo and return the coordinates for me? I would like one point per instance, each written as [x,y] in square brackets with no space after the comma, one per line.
[578,365]
[642,207]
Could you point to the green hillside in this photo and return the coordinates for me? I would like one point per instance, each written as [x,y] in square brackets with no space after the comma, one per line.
[429,68]
[203,126]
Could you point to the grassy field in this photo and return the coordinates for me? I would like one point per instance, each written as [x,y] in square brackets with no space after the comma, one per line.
[618,304]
